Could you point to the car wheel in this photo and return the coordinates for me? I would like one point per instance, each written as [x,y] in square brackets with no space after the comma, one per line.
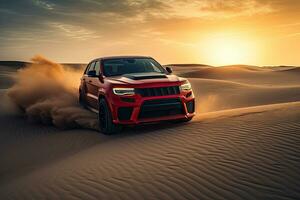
[183,120]
[106,124]
[81,100]
[187,119]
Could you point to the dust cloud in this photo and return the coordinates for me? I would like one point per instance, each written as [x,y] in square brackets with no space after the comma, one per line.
[47,92]
[206,103]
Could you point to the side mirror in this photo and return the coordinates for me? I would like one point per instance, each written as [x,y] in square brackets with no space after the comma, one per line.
[101,78]
[92,73]
[169,70]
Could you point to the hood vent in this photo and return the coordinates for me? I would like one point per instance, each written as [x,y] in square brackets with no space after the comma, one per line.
[141,76]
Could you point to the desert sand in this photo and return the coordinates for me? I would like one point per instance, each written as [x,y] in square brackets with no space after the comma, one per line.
[244,142]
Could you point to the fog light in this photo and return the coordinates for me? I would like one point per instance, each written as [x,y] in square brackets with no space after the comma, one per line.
[188,94]
[124,113]
[190,106]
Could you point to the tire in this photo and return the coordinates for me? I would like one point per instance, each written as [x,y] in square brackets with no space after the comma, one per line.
[187,119]
[183,120]
[106,124]
[81,99]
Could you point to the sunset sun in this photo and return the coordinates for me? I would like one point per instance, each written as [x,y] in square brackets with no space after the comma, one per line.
[229,52]
[225,50]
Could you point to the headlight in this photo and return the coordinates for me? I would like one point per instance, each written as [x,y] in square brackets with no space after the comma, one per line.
[186,86]
[123,91]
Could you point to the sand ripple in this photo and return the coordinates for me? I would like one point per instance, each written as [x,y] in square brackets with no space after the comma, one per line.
[253,156]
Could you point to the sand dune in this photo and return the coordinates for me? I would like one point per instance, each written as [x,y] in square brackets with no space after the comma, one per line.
[213,95]
[242,74]
[243,144]
[246,157]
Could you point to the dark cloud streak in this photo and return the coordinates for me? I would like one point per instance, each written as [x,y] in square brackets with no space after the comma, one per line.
[65,20]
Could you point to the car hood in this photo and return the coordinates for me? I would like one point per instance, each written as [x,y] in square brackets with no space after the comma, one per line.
[144,78]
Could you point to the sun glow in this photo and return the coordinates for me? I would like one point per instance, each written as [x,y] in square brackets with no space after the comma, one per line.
[227,50]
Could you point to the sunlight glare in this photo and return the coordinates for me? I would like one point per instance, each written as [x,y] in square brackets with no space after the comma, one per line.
[226,50]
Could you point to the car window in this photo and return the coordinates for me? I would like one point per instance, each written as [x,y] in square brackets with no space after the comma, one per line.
[90,67]
[116,67]
[87,69]
[97,68]
[155,68]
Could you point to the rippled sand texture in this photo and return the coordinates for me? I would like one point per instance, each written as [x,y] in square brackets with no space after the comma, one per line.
[243,144]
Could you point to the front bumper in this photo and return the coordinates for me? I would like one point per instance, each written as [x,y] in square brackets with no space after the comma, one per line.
[136,109]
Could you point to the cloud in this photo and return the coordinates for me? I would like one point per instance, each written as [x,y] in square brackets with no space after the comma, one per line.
[91,14]
[289,24]
[292,35]
[123,21]
[44,4]
[215,8]
[75,32]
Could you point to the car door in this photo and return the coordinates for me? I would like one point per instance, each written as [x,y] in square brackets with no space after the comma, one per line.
[93,86]
[84,81]
[88,80]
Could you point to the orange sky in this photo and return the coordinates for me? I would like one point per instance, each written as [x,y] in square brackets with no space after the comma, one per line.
[213,32]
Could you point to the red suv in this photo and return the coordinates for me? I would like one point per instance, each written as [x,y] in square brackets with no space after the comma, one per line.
[133,90]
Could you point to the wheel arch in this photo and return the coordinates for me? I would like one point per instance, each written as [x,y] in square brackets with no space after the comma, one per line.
[113,111]
[102,96]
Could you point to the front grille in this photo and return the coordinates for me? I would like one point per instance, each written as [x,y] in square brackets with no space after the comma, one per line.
[161,107]
[159,91]
[124,113]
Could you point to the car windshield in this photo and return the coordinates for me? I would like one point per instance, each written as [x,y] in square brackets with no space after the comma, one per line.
[117,67]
